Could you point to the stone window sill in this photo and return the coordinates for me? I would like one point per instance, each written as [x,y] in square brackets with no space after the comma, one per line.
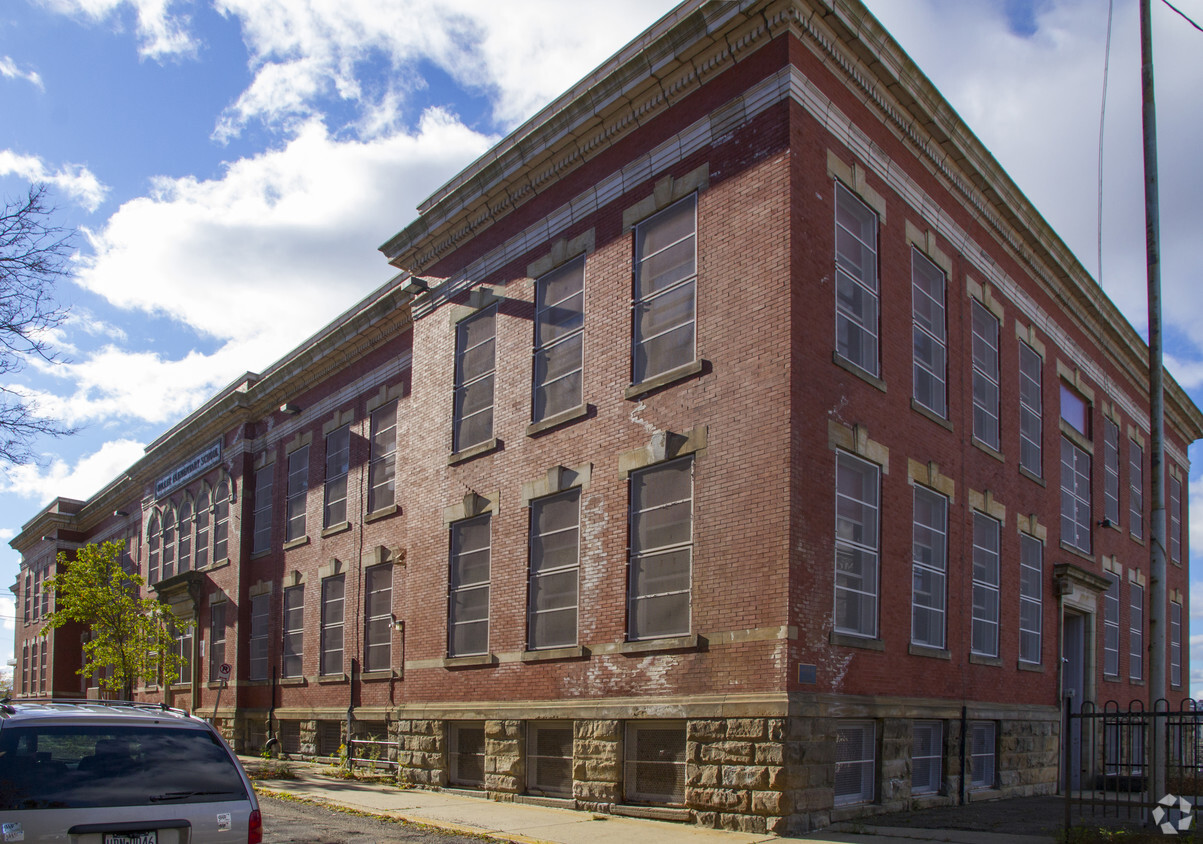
[292,681]
[561,418]
[334,530]
[857,370]
[180,687]
[924,650]
[331,679]
[1032,476]
[576,652]
[672,376]
[1030,666]
[475,661]
[296,543]
[654,813]
[928,413]
[1077,552]
[259,555]
[373,676]
[988,449]
[981,659]
[848,640]
[464,455]
[674,643]
[382,513]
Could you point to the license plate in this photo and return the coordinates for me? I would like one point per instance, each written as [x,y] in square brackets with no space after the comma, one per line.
[148,837]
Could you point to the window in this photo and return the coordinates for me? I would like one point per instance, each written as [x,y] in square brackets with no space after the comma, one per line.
[982,745]
[28,597]
[466,740]
[468,624]
[927,757]
[262,516]
[1075,410]
[294,631]
[1111,471]
[857,487]
[559,346]
[378,618]
[985,375]
[661,550]
[44,654]
[985,585]
[332,625]
[217,639]
[1111,628]
[1075,496]
[855,761]
[931,351]
[33,668]
[382,462]
[930,560]
[221,521]
[665,290]
[549,758]
[298,486]
[338,463]
[474,365]
[185,527]
[202,529]
[37,591]
[1031,597]
[25,668]
[855,280]
[45,593]
[168,544]
[260,619]
[1136,507]
[153,541]
[183,650]
[1174,518]
[1031,410]
[1136,631]
[1175,644]
[654,763]
[554,565]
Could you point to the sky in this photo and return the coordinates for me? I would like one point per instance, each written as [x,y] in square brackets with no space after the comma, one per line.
[259,151]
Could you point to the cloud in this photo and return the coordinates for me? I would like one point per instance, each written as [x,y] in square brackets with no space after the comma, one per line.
[75,180]
[160,33]
[88,476]
[9,70]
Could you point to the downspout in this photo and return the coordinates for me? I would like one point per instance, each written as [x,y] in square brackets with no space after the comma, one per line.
[961,779]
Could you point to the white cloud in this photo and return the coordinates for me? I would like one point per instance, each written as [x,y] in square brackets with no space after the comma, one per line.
[160,33]
[9,70]
[75,180]
[87,477]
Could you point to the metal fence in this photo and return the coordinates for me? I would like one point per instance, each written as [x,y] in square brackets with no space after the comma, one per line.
[372,755]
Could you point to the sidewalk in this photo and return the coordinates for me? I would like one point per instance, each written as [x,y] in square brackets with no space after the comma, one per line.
[531,824]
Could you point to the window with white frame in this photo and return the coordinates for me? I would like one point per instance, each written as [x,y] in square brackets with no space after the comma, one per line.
[664,310]
[1031,598]
[153,546]
[221,521]
[1111,471]
[28,598]
[661,550]
[930,340]
[554,569]
[1174,517]
[202,529]
[333,590]
[294,631]
[1075,496]
[466,753]
[168,543]
[982,743]
[654,762]
[559,340]
[298,488]
[1031,410]
[1111,628]
[185,527]
[258,650]
[855,762]
[985,584]
[1175,644]
[45,593]
[927,757]
[382,464]
[549,758]
[475,362]
[1075,410]
[468,622]
[261,518]
[856,289]
[338,463]
[378,618]
[857,492]
[1136,487]
[985,375]
[217,639]
[1136,631]
[930,567]
[183,651]
[25,669]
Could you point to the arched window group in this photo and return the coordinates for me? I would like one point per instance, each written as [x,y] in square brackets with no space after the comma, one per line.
[188,532]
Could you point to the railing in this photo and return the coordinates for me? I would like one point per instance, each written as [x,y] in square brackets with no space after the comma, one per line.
[372,754]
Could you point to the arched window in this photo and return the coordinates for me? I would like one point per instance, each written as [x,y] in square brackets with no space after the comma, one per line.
[152,548]
[185,528]
[202,529]
[168,544]
[221,519]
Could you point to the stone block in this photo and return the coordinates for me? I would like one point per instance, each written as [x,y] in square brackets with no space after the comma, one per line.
[589,749]
[503,783]
[746,728]
[743,823]
[745,776]
[721,799]
[702,775]
[595,792]
[608,730]
[774,803]
[770,754]
[707,730]
[728,752]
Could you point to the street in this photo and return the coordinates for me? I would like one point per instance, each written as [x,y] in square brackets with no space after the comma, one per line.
[297,822]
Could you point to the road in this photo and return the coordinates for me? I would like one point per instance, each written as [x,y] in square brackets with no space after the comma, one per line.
[295,822]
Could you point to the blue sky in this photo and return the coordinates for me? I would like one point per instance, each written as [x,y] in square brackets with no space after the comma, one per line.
[258,151]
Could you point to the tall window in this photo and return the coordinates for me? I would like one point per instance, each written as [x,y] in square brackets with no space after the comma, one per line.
[927,757]
[931,351]
[1175,644]
[1136,631]
[378,618]
[559,348]
[665,290]
[1031,410]
[183,650]
[554,564]
[1136,487]
[985,375]
[294,631]
[475,361]
[185,559]
[28,597]
[221,522]
[1175,519]
[153,540]
[856,305]
[857,487]
[37,594]
[985,585]
[382,469]
[262,518]
[168,544]
[1031,597]
[332,625]
[217,639]
[1111,471]
[654,754]
[930,561]
[338,463]
[1075,496]
[982,743]
[25,669]
[468,622]
[1111,628]
[202,529]
[855,762]
[260,620]
[661,552]
[298,487]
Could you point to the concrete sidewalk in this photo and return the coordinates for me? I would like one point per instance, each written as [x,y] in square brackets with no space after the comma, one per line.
[524,822]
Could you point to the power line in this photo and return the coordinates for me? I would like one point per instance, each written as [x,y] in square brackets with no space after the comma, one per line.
[1183,14]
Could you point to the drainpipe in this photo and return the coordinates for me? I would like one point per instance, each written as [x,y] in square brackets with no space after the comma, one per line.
[964,731]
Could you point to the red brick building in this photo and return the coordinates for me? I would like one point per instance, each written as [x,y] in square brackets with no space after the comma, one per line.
[736,443]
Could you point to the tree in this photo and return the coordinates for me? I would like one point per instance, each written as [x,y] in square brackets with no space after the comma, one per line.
[34,255]
[131,637]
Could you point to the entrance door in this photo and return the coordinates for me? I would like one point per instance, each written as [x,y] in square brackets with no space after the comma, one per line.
[1073,685]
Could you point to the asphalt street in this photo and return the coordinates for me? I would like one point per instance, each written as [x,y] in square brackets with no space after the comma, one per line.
[296,822]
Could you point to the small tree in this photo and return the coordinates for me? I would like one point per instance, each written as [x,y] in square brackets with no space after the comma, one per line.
[94,590]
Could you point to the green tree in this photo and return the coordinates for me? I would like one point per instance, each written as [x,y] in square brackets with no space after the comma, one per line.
[131,637]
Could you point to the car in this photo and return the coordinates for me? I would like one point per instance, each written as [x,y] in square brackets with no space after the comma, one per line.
[105,772]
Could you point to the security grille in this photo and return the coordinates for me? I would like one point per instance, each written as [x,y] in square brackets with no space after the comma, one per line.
[467,751]
[256,735]
[290,736]
[549,759]
[655,762]
[329,737]
[854,762]
[927,757]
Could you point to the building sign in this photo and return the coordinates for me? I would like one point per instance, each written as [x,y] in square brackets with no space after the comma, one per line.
[188,470]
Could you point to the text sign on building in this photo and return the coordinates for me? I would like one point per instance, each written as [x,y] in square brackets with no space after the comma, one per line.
[189,469]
